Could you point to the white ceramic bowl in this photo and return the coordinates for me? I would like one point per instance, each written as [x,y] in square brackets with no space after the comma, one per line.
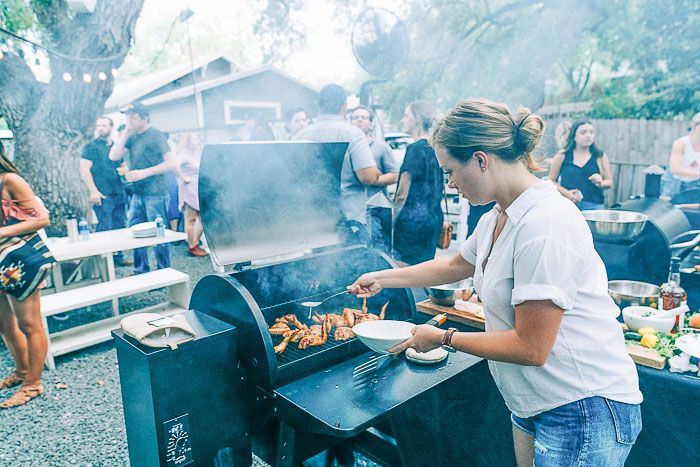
[383,334]
[634,319]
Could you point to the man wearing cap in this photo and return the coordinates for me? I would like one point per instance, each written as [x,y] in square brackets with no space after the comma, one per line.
[151,157]
[359,169]
[99,174]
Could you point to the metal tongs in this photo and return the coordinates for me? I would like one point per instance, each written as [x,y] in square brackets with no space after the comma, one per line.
[376,361]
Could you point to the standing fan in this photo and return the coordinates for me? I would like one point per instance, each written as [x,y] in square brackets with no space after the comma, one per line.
[380,44]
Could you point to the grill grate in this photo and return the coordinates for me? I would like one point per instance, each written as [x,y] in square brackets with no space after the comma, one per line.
[293,353]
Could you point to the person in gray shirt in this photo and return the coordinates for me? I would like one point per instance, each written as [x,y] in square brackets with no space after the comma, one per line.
[363,118]
[359,168]
[379,223]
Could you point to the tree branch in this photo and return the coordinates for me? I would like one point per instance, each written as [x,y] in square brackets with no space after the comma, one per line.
[53,15]
[18,88]
[588,77]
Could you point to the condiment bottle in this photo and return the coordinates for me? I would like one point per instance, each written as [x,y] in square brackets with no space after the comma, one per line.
[672,294]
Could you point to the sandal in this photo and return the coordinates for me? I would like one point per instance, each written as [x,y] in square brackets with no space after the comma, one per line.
[13,380]
[23,395]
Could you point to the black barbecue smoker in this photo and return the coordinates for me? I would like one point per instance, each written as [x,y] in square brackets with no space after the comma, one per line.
[272,216]
[646,256]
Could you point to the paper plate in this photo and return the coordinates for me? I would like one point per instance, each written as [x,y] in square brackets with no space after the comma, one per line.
[690,344]
[426,358]
[143,227]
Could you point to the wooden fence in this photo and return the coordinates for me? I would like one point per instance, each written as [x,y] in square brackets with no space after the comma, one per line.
[631,145]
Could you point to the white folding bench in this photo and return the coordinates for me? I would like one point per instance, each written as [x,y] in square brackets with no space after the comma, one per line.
[89,334]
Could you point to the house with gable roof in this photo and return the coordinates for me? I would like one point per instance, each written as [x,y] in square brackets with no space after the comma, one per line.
[214,97]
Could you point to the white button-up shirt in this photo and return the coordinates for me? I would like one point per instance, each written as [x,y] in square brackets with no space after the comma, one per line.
[545,252]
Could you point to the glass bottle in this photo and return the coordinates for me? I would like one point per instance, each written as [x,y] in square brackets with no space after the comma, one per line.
[672,294]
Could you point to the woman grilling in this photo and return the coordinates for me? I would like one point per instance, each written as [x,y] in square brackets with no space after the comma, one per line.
[581,171]
[554,347]
[20,318]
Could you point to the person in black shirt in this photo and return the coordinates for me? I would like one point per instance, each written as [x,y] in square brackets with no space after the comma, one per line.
[418,215]
[100,176]
[151,157]
[581,171]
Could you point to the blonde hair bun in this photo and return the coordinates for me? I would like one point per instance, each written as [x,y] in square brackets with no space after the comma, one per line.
[483,125]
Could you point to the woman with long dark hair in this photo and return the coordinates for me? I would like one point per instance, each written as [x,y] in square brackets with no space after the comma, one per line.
[554,347]
[581,171]
[20,316]
[418,216]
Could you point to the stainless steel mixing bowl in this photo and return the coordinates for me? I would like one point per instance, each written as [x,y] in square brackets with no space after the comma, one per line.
[627,293]
[609,224]
[446,294]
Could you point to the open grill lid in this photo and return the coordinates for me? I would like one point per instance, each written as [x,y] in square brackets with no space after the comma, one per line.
[261,200]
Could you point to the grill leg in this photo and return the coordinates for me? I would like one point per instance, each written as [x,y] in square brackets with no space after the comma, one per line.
[285,446]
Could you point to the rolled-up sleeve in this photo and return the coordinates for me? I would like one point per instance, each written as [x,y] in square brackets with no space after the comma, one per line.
[468,249]
[360,153]
[546,269]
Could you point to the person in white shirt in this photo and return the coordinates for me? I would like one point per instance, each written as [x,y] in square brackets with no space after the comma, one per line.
[554,346]
[683,173]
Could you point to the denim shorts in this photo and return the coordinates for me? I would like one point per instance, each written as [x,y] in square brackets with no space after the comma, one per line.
[590,432]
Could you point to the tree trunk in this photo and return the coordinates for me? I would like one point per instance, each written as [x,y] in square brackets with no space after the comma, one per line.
[48,160]
[52,122]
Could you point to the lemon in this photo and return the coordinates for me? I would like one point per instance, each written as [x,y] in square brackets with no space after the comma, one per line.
[650,340]
[653,305]
[646,330]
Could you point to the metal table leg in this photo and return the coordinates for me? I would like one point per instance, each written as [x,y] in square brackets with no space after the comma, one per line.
[57,276]
[109,262]
[285,446]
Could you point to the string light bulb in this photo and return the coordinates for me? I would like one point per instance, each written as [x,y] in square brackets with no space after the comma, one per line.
[114,72]
[1,54]
[101,76]
[67,76]
[86,77]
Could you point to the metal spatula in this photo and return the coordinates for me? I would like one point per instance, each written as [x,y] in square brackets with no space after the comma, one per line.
[377,361]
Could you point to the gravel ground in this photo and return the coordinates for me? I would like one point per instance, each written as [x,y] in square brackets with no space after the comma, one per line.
[82,424]
[79,420]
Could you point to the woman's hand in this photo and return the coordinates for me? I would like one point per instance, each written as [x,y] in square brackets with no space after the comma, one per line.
[366,285]
[425,338]
[574,195]
[596,179]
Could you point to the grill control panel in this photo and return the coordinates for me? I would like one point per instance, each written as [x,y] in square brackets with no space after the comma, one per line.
[178,445]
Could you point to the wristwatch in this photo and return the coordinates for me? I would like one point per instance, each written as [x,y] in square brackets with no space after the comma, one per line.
[447,340]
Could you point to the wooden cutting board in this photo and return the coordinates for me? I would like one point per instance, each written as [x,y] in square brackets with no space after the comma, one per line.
[459,316]
[640,355]
[645,356]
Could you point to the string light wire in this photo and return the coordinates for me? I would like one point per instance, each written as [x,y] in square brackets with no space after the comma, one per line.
[62,55]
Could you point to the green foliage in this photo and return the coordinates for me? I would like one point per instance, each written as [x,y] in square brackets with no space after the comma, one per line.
[16,15]
[615,101]
[657,44]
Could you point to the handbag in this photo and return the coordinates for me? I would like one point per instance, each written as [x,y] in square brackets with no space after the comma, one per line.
[24,261]
[445,236]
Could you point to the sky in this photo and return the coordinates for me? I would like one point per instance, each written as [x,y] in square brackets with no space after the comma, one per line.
[327,58]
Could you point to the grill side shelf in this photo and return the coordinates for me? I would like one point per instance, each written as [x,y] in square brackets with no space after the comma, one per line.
[331,403]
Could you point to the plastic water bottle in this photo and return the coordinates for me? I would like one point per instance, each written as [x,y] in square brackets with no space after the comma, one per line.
[160,227]
[83,229]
